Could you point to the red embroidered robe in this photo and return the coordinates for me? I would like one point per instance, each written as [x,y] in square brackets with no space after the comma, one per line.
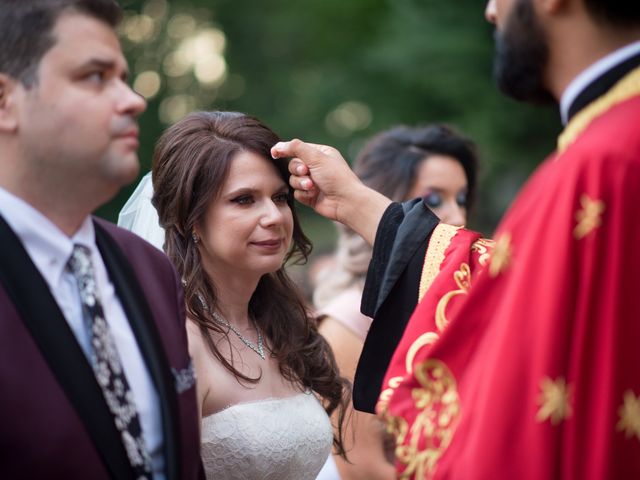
[529,367]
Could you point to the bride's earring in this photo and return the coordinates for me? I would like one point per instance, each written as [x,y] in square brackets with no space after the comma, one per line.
[195,238]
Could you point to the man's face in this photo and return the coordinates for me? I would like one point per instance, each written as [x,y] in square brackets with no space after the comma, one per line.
[521,54]
[77,125]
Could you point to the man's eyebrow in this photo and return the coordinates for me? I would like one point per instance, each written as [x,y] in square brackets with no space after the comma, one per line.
[105,64]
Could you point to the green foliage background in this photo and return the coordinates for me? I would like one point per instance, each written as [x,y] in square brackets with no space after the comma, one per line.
[300,66]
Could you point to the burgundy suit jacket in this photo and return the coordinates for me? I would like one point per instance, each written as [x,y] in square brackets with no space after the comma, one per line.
[55,423]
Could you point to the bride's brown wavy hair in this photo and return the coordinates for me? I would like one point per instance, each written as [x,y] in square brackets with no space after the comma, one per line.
[190,166]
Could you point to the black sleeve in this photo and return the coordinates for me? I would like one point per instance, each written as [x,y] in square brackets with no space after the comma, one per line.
[382,246]
[391,292]
[386,332]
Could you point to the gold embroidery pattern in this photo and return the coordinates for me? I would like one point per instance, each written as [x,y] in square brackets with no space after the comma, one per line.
[483,247]
[627,87]
[437,400]
[629,413]
[501,256]
[385,396]
[440,240]
[589,217]
[421,446]
[462,278]
[554,400]
[428,338]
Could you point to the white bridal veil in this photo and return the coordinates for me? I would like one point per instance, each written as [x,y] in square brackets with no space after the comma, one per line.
[140,216]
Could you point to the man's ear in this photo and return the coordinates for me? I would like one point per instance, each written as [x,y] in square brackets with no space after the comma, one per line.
[8,113]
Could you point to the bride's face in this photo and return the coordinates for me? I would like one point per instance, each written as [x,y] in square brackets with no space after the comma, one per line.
[248,227]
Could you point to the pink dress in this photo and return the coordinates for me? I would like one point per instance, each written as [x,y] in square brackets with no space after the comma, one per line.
[345,308]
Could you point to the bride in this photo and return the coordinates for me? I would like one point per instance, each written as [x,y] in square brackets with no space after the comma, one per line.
[266,379]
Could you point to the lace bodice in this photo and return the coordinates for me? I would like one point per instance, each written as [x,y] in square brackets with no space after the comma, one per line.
[272,439]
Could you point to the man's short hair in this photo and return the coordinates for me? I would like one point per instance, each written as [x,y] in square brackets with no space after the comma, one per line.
[623,13]
[26,30]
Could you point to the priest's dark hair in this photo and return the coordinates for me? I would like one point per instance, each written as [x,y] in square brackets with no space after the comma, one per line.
[622,13]
[26,30]
[191,163]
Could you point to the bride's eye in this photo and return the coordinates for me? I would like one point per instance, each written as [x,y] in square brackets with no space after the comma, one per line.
[282,197]
[243,200]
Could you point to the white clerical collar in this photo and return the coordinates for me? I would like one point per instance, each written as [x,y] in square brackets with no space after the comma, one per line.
[591,73]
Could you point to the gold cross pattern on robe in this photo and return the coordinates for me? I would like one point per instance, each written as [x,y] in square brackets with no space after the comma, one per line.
[629,414]
[589,217]
[554,401]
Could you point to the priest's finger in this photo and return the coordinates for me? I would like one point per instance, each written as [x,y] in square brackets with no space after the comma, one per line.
[303,183]
[297,167]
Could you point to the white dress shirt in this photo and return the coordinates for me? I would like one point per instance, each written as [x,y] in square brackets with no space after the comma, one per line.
[592,72]
[50,249]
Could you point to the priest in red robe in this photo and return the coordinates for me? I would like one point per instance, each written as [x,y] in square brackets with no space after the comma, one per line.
[521,358]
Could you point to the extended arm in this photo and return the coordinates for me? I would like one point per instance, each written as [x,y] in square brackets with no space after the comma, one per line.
[323,181]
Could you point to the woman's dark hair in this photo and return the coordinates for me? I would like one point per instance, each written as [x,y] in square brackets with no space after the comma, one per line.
[190,166]
[388,161]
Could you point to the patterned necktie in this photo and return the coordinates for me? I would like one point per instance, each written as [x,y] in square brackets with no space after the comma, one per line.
[106,364]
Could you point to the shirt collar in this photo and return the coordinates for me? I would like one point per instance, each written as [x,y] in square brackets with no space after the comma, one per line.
[48,247]
[591,73]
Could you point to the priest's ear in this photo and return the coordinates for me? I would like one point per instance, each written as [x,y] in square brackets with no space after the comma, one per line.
[555,6]
[8,113]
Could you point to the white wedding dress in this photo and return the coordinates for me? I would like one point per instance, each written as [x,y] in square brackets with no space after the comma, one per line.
[271,439]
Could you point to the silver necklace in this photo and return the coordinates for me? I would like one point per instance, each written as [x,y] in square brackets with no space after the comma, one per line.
[259,348]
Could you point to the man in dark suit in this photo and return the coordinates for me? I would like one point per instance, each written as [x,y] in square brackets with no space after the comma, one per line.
[95,374]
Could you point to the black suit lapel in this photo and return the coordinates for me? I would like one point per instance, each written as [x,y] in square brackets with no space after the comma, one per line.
[53,336]
[138,313]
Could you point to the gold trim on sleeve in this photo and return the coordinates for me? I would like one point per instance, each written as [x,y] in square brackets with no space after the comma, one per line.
[440,240]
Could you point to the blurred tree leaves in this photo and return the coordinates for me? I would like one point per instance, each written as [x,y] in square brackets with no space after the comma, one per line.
[336,71]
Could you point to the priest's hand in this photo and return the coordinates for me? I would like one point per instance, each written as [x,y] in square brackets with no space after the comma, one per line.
[323,180]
